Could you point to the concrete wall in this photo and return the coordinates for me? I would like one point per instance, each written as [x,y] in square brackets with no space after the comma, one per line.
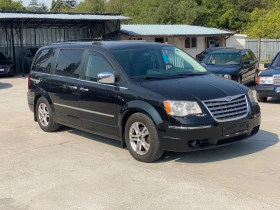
[238,41]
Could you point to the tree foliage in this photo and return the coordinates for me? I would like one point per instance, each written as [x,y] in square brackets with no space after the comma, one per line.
[11,5]
[35,6]
[265,23]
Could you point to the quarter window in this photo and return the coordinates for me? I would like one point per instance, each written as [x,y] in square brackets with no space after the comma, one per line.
[69,62]
[44,60]
[190,42]
[96,64]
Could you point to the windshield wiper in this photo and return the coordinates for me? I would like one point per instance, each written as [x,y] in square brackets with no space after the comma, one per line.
[188,75]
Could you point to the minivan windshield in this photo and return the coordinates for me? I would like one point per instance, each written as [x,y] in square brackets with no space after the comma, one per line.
[223,58]
[157,62]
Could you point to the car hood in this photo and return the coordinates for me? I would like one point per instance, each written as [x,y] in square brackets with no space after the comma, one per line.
[271,71]
[3,62]
[228,69]
[194,88]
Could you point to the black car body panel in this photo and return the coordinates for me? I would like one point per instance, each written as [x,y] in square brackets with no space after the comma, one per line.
[104,108]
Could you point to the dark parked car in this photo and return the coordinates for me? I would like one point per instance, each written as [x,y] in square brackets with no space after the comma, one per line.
[6,66]
[237,65]
[28,58]
[269,81]
[199,57]
[124,90]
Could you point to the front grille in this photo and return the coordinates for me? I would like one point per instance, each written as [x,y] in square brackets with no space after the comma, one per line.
[228,108]
[276,80]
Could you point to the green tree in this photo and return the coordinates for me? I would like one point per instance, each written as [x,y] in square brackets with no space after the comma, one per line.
[90,6]
[265,23]
[34,5]
[11,5]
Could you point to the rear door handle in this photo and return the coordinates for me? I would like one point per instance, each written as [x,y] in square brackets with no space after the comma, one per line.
[83,89]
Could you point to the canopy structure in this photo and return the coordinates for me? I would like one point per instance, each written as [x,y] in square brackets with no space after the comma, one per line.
[23,30]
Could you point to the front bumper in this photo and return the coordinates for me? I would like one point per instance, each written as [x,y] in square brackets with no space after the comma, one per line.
[181,139]
[266,91]
[7,70]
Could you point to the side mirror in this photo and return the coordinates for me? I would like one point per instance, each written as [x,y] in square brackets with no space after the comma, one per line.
[246,62]
[106,78]
[266,65]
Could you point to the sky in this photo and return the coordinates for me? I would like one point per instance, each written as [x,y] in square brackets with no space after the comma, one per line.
[47,2]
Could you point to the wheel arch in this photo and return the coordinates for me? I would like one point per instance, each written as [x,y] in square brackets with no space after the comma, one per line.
[41,93]
[138,106]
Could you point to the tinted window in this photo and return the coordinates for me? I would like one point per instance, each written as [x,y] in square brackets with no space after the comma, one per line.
[157,61]
[276,61]
[44,60]
[252,55]
[96,64]
[244,57]
[68,63]
[226,58]
[249,56]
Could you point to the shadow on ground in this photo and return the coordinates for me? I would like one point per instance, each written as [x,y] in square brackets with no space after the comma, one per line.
[254,144]
[91,136]
[257,143]
[5,85]
[273,101]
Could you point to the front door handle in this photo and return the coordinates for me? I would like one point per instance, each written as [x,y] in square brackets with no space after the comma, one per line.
[83,89]
[73,87]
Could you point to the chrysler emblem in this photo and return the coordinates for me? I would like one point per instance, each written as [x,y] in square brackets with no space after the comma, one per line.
[229,98]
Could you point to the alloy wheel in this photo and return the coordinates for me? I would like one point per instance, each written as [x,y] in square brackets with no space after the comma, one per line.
[43,114]
[139,138]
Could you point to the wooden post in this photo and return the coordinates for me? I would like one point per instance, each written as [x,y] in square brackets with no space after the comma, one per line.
[259,49]
[182,39]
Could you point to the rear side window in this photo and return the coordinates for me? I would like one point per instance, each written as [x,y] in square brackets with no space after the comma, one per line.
[69,62]
[96,64]
[252,55]
[44,61]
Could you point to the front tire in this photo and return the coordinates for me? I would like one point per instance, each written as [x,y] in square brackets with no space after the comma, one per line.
[45,116]
[261,99]
[141,138]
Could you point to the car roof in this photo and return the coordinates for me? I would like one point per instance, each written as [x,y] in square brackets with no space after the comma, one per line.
[111,45]
[228,51]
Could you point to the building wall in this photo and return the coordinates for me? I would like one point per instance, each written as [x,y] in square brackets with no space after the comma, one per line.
[176,42]
[238,41]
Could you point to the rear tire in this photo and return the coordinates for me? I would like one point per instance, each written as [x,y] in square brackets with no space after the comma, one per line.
[45,116]
[261,99]
[141,138]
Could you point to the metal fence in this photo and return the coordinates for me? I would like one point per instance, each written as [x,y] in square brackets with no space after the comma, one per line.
[268,48]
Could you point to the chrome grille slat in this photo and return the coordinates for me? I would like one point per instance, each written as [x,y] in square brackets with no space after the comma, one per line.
[230,110]
[226,107]
[222,103]
[276,80]
[223,109]
[230,114]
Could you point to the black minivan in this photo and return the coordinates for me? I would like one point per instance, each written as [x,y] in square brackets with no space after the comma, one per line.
[150,96]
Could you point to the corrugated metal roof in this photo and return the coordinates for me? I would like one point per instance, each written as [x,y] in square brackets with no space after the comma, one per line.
[171,30]
[62,16]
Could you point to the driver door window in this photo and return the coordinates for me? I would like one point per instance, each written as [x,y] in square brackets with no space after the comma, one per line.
[96,64]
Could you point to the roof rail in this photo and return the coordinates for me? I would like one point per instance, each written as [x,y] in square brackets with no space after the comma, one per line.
[72,41]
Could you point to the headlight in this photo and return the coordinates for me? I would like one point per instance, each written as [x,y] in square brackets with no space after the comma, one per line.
[182,108]
[251,96]
[227,76]
[265,80]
